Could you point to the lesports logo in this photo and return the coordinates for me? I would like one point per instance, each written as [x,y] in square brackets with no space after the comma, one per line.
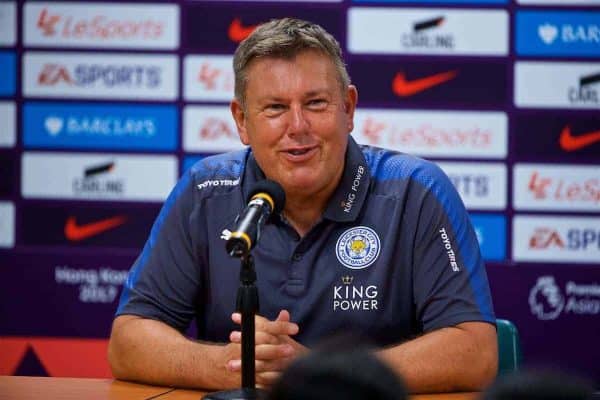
[434,134]
[560,33]
[556,187]
[208,78]
[94,75]
[75,232]
[545,299]
[358,247]
[427,31]
[570,142]
[101,25]
[405,88]
[237,31]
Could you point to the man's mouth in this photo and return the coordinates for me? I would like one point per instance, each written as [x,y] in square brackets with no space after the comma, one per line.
[300,154]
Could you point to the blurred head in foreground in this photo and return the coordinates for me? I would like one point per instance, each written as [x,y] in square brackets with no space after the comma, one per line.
[338,374]
[539,384]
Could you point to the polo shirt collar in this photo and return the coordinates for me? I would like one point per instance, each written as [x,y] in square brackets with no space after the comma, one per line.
[347,199]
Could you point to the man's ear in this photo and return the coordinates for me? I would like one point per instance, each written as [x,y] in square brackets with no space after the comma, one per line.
[239,116]
[350,105]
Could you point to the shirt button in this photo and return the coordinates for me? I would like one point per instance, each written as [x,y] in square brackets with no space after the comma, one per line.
[297,257]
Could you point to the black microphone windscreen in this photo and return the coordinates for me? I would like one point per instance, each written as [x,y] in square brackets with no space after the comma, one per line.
[273,189]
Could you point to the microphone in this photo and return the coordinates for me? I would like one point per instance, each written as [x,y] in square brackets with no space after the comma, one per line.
[265,198]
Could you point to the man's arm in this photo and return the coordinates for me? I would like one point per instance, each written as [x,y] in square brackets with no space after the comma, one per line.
[459,358]
[150,351]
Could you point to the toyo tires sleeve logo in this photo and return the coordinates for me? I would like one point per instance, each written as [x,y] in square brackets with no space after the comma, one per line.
[358,247]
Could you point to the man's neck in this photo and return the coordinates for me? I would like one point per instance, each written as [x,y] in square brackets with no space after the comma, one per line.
[302,215]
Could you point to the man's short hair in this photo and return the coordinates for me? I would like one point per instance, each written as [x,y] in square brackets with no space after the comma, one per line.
[285,38]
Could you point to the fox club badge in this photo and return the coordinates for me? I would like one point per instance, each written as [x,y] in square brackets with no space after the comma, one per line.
[358,247]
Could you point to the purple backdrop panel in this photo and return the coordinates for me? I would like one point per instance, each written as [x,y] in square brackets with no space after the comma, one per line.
[8,172]
[60,294]
[214,27]
[557,311]
[479,84]
[114,225]
[563,137]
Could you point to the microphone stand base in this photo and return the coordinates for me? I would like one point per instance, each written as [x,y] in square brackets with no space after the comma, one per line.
[237,394]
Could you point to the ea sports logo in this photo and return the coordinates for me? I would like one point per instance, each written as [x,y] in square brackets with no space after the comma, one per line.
[358,247]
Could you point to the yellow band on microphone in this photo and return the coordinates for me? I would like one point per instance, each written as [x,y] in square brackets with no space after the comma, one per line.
[266,197]
[244,236]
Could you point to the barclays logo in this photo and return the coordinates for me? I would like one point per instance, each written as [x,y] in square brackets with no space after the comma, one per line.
[58,125]
[558,33]
[98,126]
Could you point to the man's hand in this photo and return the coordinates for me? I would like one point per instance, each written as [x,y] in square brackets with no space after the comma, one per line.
[274,348]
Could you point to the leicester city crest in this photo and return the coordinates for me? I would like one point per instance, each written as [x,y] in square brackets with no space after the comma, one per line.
[358,247]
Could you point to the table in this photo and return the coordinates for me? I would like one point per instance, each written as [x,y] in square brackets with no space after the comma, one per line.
[28,387]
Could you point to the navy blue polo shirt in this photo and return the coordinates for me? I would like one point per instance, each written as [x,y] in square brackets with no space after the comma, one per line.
[394,254]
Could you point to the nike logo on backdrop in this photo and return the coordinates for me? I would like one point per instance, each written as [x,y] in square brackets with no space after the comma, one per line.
[237,32]
[568,142]
[76,233]
[405,88]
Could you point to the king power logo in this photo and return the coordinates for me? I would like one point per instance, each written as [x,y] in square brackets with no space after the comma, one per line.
[353,297]
[548,302]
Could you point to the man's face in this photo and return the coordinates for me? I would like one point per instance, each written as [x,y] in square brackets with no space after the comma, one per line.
[297,121]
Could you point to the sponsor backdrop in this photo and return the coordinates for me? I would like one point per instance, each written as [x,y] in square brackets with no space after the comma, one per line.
[103,105]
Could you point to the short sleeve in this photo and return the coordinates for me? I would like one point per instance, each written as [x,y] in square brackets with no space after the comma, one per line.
[450,281]
[164,281]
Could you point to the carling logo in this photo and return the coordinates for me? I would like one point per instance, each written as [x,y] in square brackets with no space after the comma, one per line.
[556,187]
[480,185]
[558,33]
[116,126]
[556,239]
[434,133]
[8,23]
[427,31]
[7,124]
[97,176]
[208,78]
[93,75]
[7,224]
[209,129]
[574,85]
[547,301]
[102,25]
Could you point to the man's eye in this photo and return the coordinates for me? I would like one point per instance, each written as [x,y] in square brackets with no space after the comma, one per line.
[317,103]
[275,107]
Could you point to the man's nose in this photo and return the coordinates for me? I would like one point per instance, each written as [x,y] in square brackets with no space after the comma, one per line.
[299,122]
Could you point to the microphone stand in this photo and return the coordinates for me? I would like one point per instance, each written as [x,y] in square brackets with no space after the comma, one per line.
[247,305]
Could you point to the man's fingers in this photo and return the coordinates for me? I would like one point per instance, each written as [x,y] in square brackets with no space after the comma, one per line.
[273,351]
[266,379]
[281,326]
[260,338]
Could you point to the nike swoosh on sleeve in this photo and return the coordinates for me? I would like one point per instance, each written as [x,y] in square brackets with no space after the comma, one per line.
[568,142]
[76,233]
[405,88]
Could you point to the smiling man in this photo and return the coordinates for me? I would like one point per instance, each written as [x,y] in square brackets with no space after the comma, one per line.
[370,241]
